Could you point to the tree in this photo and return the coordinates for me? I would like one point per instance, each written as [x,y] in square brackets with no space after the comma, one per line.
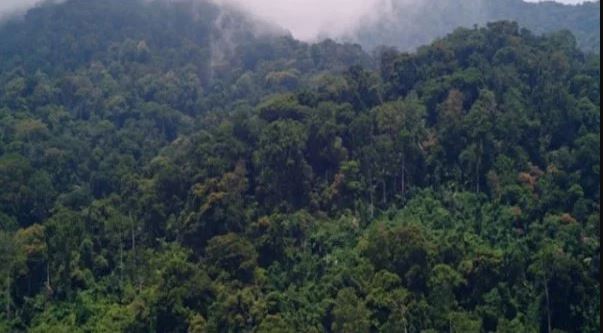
[443,282]
[464,322]
[284,174]
[350,313]
[274,324]
[230,255]
[402,123]
[14,261]
[479,124]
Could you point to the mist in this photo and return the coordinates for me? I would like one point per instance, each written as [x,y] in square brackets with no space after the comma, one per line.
[307,20]
[9,7]
[311,19]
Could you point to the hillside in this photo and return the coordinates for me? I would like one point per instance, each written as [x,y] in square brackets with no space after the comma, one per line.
[410,24]
[180,167]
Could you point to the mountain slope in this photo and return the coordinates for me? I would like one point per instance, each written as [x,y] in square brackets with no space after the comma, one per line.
[408,25]
[175,172]
[65,37]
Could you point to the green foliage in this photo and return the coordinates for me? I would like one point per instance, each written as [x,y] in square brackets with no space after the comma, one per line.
[349,313]
[158,174]
[232,255]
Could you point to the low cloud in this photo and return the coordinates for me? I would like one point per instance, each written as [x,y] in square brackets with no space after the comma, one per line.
[16,7]
[9,7]
[311,19]
[307,20]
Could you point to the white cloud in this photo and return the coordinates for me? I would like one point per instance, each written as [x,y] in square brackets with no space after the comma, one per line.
[306,19]
[9,6]
[569,2]
[309,19]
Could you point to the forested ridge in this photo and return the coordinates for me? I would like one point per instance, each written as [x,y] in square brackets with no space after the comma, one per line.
[180,167]
[410,24]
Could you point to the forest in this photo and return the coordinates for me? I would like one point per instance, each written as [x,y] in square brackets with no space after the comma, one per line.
[410,24]
[182,167]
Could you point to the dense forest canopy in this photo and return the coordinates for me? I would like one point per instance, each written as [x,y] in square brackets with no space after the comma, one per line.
[180,167]
[410,24]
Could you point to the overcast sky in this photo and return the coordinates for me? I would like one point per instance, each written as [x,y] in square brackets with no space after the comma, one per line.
[307,18]
[304,18]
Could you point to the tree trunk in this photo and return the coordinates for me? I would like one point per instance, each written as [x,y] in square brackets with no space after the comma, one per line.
[371,195]
[479,163]
[8,295]
[121,257]
[132,234]
[403,178]
[548,305]
[384,191]
[395,184]
[477,189]
[48,287]
[133,246]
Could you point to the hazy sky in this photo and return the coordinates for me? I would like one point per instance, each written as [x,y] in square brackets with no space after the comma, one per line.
[10,5]
[304,18]
[307,18]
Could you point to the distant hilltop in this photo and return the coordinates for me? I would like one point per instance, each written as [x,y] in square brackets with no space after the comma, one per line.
[410,24]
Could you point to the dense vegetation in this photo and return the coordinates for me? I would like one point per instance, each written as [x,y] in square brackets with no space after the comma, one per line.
[163,169]
[410,24]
